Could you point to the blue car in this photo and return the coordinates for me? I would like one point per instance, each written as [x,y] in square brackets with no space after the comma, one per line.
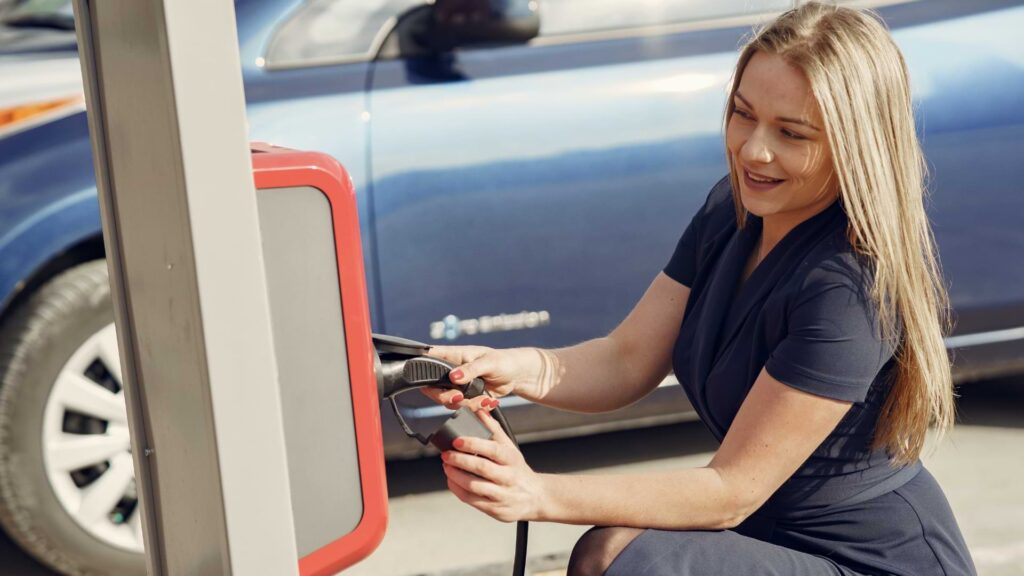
[517,184]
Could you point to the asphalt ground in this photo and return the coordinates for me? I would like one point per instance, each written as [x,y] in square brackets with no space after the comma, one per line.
[431,533]
[980,465]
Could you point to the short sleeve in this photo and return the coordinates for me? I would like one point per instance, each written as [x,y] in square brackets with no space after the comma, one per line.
[833,347]
[682,267]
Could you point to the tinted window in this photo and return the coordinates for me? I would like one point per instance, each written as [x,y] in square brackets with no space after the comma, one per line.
[574,16]
[40,13]
[321,31]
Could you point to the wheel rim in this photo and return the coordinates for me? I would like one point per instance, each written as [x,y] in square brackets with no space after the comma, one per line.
[86,448]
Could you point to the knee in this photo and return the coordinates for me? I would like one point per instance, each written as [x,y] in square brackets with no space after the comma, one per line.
[598,548]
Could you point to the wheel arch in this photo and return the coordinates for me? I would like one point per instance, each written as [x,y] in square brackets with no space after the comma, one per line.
[35,254]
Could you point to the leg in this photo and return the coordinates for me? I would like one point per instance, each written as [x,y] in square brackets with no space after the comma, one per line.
[715,553]
[597,549]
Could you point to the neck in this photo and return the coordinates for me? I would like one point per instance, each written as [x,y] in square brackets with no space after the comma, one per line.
[774,227]
[773,230]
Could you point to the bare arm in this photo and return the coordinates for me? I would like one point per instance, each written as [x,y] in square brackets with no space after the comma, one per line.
[598,375]
[608,373]
[775,431]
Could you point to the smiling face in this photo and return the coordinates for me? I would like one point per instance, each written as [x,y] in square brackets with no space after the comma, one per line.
[776,133]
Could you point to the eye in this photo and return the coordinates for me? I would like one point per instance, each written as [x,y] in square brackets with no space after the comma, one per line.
[742,113]
[793,135]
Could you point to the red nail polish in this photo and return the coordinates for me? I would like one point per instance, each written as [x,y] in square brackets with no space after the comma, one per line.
[456,399]
[455,375]
[445,456]
[458,442]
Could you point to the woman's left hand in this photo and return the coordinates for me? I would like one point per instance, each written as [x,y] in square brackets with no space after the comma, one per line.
[492,475]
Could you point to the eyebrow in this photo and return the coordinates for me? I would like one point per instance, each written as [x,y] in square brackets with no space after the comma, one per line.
[781,118]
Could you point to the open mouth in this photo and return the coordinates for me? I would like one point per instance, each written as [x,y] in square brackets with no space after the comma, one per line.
[760,182]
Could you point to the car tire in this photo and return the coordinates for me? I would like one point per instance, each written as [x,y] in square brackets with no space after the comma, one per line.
[36,342]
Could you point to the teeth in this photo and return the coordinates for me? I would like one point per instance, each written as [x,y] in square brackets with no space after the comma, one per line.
[756,179]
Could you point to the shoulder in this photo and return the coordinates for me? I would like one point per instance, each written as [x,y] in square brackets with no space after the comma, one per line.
[834,268]
[720,204]
[718,212]
[693,249]
[832,344]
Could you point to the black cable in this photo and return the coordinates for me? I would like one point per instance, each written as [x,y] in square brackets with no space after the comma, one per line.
[522,536]
[522,526]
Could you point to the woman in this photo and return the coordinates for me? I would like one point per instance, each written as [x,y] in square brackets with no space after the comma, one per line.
[803,313]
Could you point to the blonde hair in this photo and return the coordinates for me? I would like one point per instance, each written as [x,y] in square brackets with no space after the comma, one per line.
[859,78]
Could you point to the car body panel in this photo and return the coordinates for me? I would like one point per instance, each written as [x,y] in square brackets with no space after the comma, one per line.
[342,131]
[556,176]
[559,190]
[970,138]
[43,211]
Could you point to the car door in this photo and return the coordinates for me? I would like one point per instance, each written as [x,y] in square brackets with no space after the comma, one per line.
[966,65]
[529,194]
[306,66]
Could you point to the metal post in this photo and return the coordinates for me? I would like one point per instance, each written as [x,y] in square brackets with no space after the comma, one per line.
[167,117]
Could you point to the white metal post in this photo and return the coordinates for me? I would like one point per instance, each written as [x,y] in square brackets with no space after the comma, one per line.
[167,116]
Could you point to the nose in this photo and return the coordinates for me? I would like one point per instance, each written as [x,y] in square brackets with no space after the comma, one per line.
[756,149]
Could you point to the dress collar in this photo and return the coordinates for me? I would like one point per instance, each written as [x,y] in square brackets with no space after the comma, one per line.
[728,303]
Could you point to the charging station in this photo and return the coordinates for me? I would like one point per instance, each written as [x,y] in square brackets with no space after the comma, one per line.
[321,326]
[252,379]
[240,306]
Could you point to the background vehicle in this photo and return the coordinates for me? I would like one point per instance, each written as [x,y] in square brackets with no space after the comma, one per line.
[536,187]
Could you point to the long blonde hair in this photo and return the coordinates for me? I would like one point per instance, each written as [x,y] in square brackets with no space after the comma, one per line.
[860,81]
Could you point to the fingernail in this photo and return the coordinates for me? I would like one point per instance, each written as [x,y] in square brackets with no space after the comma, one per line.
[456,399]
[445,456]
[458,442]
[455,375]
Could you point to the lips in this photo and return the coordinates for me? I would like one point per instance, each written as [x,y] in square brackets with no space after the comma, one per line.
[756,186]
[761,178]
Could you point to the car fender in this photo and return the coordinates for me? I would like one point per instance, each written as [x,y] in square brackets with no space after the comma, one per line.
[45,236]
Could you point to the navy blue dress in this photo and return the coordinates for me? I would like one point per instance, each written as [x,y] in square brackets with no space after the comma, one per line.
[805,316]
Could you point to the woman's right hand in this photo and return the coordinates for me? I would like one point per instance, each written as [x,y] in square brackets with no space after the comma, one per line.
[503,371]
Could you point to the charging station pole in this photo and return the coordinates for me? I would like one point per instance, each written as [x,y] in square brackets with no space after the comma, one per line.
[181,228]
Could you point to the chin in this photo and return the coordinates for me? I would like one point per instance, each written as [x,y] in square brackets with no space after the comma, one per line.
[754,205]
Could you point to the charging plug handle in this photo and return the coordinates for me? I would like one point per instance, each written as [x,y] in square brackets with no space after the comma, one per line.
[402,365]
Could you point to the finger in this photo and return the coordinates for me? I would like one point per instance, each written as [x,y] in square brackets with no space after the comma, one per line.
[497,434]
[449,354]
[472,484]
[457,354]
[479,502]
[465,373]
[475,465]
[487,402]
[450,398]
[485,448]
[481,402]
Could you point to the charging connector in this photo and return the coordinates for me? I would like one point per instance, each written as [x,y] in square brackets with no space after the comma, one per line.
[402,366]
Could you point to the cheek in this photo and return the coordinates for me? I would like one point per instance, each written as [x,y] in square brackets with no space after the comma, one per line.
[734,137]
[798,161]
[815,163]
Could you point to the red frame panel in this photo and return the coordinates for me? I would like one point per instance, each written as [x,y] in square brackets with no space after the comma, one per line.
[275,167]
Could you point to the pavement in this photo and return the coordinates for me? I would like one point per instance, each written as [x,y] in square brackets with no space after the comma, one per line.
[980,465]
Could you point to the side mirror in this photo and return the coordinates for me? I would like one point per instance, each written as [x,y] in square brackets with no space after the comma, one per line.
[455,23]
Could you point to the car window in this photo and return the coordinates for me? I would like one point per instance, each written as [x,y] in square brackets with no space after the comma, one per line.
[559,17]
[40,13]
[326,31]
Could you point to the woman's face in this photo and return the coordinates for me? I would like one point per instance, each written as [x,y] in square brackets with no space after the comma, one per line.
[776,132]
